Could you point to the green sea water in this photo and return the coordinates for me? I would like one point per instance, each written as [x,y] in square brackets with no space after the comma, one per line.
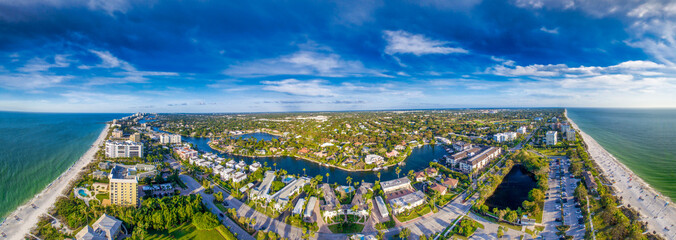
[642,139]
[38,147]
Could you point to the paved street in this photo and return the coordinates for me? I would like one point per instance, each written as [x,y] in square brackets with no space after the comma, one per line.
[207,199]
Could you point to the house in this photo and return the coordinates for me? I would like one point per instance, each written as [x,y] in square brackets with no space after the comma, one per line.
[399,148]
[99,175]
[241,165]
[303,151]
[309,209]
[227,173]
[105,228]
[431,172]
[589,181]
[441,189]
[450,182]
[396,184]
[419,176]
[406,202]
[380,204]
[239,176]
[392,154]
[231,164]
[330,199]
[298,209]
[254,166]
[372,158]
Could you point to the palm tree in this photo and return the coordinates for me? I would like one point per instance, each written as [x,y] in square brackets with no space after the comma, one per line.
[398,170]
[327,177]
[349,180]
[304,172]
[275,164]
[378,176]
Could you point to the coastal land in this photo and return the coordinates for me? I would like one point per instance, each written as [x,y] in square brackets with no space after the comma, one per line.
[20,222]
[655,209]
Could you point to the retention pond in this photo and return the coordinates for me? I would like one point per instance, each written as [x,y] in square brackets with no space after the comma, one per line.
[513,190]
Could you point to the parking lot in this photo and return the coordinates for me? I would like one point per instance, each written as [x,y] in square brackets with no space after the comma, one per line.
[561,194]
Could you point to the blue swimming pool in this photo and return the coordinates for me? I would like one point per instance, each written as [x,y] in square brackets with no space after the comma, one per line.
[82,193]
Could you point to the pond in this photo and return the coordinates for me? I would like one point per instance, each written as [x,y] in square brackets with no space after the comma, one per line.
[513,190]
[418,160]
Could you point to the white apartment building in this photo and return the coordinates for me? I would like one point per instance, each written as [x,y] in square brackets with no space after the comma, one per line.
[504,137]
[522,130]
[119,149]
[170,138]
[479,160]
[550,138]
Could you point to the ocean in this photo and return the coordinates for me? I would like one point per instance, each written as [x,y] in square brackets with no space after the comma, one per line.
[38,147]
[642,139]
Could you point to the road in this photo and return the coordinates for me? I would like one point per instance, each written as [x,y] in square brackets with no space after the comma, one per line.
[207,199]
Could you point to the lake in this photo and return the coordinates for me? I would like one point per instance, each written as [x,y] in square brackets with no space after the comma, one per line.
[513,190]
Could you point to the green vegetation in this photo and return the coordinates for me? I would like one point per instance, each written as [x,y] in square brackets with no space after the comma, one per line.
[342,139]
[189,231]
[467,227]
[346,227]
[414,213]
[205,221]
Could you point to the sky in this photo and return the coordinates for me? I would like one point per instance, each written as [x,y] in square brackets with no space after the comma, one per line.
[273,56]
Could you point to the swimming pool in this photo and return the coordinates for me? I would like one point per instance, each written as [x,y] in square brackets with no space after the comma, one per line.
[82,193]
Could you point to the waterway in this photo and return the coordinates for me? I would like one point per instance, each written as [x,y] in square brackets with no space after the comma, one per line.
[419,159]
[513,190]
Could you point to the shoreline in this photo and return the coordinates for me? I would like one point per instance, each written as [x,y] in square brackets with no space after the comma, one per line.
[636,192]
[45,199]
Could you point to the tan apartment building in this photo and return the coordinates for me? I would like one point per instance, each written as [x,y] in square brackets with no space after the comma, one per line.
[123,186]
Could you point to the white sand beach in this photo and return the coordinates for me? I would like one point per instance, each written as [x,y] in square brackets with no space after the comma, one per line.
[29,213]
[657,210]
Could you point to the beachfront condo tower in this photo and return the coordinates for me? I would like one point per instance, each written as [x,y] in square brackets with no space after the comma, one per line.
[126,149]
[123,186]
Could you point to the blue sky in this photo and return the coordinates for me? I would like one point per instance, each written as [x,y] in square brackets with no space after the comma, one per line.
[259,56]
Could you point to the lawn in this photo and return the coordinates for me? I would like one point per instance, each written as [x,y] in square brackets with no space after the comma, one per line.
[414,214]
[346,227]
[188,231]
[101,196]
[220,206]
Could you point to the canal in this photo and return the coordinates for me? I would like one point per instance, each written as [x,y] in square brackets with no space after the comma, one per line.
[419,159]
[513,190]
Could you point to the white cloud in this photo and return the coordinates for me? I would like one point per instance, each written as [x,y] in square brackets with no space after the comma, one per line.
[314,88]
[40,64]
[402,42]
[314,62]
[30,81]
[552,31]
[108,61]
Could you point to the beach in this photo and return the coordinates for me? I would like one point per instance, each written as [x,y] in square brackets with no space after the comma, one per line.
[658,211]
[24,218]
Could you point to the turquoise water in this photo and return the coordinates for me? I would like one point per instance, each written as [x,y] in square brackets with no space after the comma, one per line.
[38,147]
[82,193]
[642,139]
